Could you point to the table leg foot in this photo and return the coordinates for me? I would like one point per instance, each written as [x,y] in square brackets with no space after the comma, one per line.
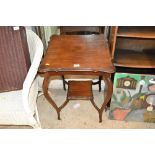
[100,116]
[100,111]
[58,115]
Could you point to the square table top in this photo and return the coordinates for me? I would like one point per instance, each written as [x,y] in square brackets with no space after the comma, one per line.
[77,53]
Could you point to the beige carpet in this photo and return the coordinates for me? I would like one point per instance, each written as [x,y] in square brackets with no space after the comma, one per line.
[78,115]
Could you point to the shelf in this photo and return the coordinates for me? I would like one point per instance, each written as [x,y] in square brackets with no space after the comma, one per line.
[150,71]
[147,32]
[128,58]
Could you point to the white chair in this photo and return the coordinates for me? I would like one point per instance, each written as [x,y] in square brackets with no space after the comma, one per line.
[19,107]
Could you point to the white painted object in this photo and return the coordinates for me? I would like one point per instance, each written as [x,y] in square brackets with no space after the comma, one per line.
[19,107]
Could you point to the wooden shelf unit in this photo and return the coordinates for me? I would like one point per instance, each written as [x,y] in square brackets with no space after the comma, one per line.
[147,32]
[127,58]
[133,46]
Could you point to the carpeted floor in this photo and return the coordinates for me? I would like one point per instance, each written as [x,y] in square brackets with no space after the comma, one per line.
[81,115]
[78,115]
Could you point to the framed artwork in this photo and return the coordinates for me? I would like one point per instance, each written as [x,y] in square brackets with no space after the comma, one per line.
[133,98]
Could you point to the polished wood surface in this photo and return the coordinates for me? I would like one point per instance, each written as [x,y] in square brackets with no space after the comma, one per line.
[78,55]
[80,90]
[82,30]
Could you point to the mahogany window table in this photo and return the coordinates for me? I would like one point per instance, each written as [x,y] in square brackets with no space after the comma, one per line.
[77,55]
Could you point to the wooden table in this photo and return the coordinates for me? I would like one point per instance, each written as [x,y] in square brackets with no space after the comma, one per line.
[77,55]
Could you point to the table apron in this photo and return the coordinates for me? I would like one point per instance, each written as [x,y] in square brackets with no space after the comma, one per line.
[74,73]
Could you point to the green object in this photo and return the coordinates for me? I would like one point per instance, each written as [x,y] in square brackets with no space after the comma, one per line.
[125,97]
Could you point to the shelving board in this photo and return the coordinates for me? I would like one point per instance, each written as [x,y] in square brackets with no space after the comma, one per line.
[147,32]
[128,58]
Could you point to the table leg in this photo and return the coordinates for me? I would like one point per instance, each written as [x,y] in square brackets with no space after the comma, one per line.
[49,98]
[107,96]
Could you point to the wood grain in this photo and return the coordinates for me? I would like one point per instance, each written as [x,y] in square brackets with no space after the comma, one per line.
[90,52]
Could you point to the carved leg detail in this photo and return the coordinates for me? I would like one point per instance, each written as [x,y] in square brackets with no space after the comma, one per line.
[107,92]
[63,105]
[95,106]
[107,96]
[45,90]
[48,97]
[100,111]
